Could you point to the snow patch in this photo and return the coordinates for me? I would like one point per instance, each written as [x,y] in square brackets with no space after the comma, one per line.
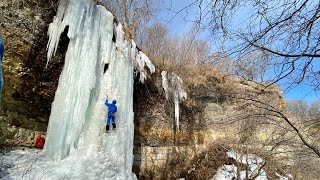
[226,172]
[255,163]
[173,85]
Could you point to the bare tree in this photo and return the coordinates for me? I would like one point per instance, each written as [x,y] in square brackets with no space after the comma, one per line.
[298,108]
[285,138]
[133,14]
[155,39]
[253,66]
[314,111]
[298,128]
[287,30]
[223,62]
[307,111]
[174,52]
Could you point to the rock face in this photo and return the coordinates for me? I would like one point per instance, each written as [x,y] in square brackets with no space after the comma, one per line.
[213,113]
[29,86]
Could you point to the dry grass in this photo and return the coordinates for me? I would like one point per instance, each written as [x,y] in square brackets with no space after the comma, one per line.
[180,164]
[191,74]
[198,76]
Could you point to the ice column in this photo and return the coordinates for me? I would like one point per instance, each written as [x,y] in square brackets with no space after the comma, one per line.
[77,120]
[89,27]
[173,84]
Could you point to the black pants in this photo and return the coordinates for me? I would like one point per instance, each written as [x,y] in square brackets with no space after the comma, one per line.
[113,126]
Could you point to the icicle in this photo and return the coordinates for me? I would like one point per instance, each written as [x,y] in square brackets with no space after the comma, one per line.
[165,83]
[77,120]
[140,61]
[172,84]
[176,108]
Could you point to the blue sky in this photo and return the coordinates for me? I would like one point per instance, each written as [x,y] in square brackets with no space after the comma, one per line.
[179,25]
[302,92]
[176,24]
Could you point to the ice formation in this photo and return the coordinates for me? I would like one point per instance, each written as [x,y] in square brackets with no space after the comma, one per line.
[173,85]
[76,138]
[141,61]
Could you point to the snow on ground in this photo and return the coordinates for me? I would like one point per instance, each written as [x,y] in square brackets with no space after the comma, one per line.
[29,163]
[226,172]
[255,163]
[20,160]
[230,171]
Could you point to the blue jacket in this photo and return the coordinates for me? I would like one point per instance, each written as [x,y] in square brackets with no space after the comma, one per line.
[112,107]
[1,49]
[1,56]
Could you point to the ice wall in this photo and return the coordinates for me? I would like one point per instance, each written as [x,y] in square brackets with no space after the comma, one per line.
[173,85]
[1,75]
[76,137]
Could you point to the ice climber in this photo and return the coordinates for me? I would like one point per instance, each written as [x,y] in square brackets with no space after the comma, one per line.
[112,109]
[1,56]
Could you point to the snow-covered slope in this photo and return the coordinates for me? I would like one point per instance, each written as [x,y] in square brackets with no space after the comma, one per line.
[76,138]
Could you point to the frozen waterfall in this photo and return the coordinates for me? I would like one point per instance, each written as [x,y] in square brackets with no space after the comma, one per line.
[173,85]
[75,138]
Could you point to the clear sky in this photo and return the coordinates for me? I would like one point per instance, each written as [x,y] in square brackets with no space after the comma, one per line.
[179,24]
[175,22]
[302,92]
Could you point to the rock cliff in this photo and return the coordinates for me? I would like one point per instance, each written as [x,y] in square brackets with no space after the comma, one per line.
[29,86]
